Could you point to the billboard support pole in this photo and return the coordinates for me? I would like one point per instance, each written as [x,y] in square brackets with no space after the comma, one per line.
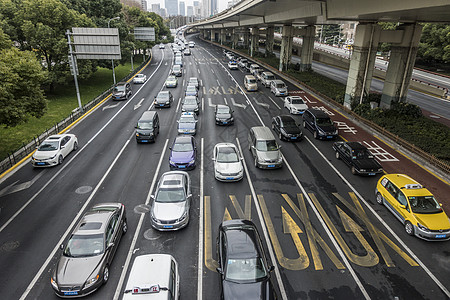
[74,70]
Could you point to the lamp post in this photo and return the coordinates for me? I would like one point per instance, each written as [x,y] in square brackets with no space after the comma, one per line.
[112,60]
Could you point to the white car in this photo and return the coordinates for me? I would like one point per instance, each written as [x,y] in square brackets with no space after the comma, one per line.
[232,65]
[278,88]
[140,78]
[194,81]
[153,276]
[54,149]
[295,105]
[227,162]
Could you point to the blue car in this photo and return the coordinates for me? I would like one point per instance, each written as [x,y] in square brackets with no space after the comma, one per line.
[183,153]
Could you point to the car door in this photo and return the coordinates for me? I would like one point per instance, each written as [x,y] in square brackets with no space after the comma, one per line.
[277,124]
[346,154]
[113,235]
[401,206]
[65,146]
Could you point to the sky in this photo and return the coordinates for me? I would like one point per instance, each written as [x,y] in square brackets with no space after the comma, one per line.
[221,3]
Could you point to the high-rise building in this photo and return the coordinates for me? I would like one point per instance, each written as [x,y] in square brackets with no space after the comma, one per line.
[171,7]
[232,3]
[214,7]
[156,8]
[144,5]
[189,11]
[182,9]
[163,12]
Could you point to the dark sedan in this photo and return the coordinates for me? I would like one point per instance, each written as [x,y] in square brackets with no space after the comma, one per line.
[223,115]
[243,268]
[358,157]
[164,99]
[286,128]
[84,263]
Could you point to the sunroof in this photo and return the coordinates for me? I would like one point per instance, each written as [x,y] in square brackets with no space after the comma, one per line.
[91,226]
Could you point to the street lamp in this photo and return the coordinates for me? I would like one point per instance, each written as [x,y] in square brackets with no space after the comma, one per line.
[112,60]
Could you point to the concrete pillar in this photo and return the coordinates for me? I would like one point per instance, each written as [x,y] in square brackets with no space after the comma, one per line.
[362,62]
[254,41]
[307,48]
[401,63]
[223,36]
[269,39]
[246,34]
[286,46]
[234,38]
[213,35]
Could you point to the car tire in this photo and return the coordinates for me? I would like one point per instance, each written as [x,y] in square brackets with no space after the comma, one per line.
[75,146]
[409,228]
[379,199]
[106,274]
[338,156]
[316,136]
[353,169]
[60,159]
[256,162]
[124,226]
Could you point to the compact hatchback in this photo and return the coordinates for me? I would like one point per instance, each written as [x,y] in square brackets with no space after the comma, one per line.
[414,206]
[171,201]
[278,88]
[183,153]
[85,259]
[140,78]
[122,91]
[54,149]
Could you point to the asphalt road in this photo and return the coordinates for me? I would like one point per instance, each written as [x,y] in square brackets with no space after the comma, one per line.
[325,236]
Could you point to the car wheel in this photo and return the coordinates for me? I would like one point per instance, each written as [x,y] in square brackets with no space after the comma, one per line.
[75,146]
[256,162]
[409,228]
[337,155]
[60,159]
[315,135]
[124,227]
[105,274]
[304,124]
[379,198]
[353,170]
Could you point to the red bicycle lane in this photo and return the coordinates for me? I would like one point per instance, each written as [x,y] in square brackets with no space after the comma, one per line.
[392,160]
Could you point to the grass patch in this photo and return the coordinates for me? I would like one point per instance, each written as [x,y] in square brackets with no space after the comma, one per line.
[60,104]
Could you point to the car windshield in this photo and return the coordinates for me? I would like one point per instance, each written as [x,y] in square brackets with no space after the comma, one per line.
[362,154]
[171,78]
[84,245]
[170,195]
[163,96]
[190,101]
[270,77]
[119,88]
[297,101]
[424,205]
[144,125]
[49,146]
[280,85]
[193,80]
[324,122]
[182,147]
[289,124]
[176,68]
[140,76]
[223,110]
[245,269]
[191,88]
[227,155]
[187,120]
[251,81]
[270,145]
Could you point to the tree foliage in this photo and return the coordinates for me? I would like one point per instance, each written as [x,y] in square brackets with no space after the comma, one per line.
[434,44]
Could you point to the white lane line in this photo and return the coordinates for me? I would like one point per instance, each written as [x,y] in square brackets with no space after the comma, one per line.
[138,228]
[200,230]
[212,71]
[225,99]
[178,105]
[203,103]
[263,226]
[441,286]
[76,153]
[274,103]
[75,220]
[198,71]
[217,80]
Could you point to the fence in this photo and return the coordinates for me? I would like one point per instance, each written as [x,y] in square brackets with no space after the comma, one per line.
[26,149]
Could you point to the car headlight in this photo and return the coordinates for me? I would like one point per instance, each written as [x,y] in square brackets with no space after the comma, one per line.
[183,217]
[192,161]
[137,134]
[336,132]
[91,281]
[280,159]
[52,157]
[380,169]
[53,282]
[217,119]
[321,131]
[167,102]
[422,227]
[171,162]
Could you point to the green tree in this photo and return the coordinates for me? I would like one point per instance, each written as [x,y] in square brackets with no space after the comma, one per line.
[100,11]
[21,76]
[434,44]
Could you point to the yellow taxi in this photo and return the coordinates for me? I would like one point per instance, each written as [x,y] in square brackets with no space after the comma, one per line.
[414,206]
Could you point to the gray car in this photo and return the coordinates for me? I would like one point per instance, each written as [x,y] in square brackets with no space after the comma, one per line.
[171,201]
[190,104]
[85,259]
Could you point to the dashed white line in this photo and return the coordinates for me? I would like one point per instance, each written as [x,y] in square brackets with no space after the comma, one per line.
[274,102]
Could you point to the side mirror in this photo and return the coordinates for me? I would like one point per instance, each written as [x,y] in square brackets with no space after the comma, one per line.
[213,159]
[136,127]
[189,196]
[152,197]
[62,147]
[402,206]
[170,148]
[279,147]
[253,147]
[61,246]
[219,270]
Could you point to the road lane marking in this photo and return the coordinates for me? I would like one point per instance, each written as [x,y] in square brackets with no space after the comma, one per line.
[12,188]
[136,106]
[178,105]
[75,220]
[210,262]
[247,207]
[225,100]
[274,103]
[138,228]
[200,228]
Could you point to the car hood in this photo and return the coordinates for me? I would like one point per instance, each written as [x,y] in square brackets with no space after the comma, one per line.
[434,221]
[144,131]
[300,106]
[292,130]
[189,106]
[281,89]
[262,290]
[367,163]
[118,93]
[269,155]
[159,100]
[187,125]
[228,167]
[171,82]
[329,128]
[44,154]
[76,270]
[181,157]
[169,211]
[223,116]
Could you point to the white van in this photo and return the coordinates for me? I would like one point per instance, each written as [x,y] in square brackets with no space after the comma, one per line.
[250,83]
[253,68]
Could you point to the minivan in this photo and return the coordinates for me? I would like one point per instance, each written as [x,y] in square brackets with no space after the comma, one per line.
[253,68]
[320,124]
[264,148]
[250,83]
[266,78]
[147,127]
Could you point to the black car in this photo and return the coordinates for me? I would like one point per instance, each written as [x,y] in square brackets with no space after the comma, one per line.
[85,260]
[243,267]
[320,124]
[286,128]
[358,157]
[163,99]
[122,91]
[223,115]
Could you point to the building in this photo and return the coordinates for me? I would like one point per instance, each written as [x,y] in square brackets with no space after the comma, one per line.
[144,5]
[163,12]
[182,9]
[156,8]
[171,7]
[214,7]
[189,11]
[232,3]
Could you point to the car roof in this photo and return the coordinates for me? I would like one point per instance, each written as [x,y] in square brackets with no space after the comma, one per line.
[222,106]
[318,113]
[193,79]
[183,139]
[96,219]
[121,83]
[278,81]
[225,145]
[408,185]
[163,93]
[55,137]
[262,133]
[356,145]
[241,236]
[172,179]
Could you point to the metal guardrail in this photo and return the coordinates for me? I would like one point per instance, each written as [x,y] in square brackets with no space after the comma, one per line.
[26,149]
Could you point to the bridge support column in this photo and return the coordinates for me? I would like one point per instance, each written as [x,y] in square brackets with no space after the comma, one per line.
[246,34]
[360,73]
[401,63]
[213,35]
[307,48]
[269,39]
[234,38]
[286,47]
[223,36]
[254,41]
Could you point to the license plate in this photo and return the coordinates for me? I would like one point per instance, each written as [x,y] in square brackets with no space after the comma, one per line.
[371,174]
[70,293]
[40,163]
[168,226]
[229,178]
[271,166]
[329,137]
[144,141]
[293,138]
[161,105]
[441,236]
[225,122]
[181,167]
[117,98]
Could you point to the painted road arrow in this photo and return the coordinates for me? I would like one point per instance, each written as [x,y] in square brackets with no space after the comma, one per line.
[139,104]
[12,188]
[238,104]
[110,106]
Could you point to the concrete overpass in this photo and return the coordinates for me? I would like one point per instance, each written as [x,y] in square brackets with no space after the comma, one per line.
[299,17]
